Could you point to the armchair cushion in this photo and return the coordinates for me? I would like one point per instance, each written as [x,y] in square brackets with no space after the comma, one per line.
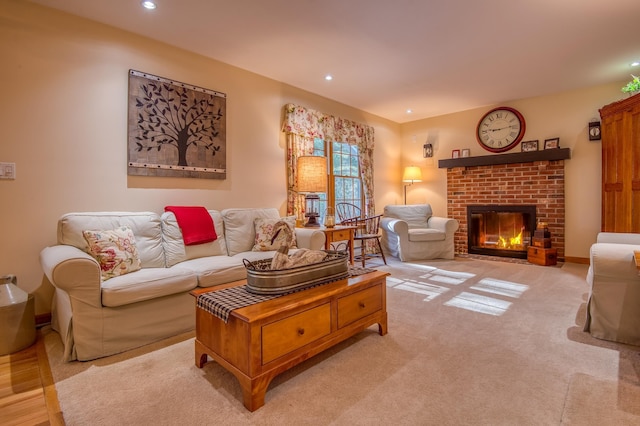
[416,216]
[426,234]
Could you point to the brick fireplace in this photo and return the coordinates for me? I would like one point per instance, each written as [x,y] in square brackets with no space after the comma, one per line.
[535,178]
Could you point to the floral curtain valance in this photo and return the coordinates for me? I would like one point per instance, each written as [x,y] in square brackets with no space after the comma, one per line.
[302,125]
[309,123]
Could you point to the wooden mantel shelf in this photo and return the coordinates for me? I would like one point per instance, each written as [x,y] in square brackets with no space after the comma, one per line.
[516,157]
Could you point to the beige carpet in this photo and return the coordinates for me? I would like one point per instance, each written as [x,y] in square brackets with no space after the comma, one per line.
[471,342]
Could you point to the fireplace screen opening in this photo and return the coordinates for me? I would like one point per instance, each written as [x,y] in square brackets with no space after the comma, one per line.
[500,230]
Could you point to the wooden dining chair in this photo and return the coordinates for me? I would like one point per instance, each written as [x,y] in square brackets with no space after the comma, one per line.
[346,211]
[367,233]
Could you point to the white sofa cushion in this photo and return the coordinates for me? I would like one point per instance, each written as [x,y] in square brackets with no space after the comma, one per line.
[146,284]
[240,229]
[212,271]
[145,226]
[176,251]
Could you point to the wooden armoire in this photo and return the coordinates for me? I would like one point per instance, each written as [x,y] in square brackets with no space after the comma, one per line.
[621,165]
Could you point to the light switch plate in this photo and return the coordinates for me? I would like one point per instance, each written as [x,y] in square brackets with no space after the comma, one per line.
[7,170]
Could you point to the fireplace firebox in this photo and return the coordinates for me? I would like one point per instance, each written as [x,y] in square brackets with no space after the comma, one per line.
[500,230]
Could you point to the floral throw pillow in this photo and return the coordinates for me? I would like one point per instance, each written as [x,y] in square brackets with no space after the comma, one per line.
[264,233]
[115,250]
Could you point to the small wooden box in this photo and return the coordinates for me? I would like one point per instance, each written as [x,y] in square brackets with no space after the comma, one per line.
[541,233]
[542,256]
[541,242]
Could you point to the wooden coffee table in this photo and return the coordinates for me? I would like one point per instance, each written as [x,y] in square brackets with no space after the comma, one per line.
[260,341]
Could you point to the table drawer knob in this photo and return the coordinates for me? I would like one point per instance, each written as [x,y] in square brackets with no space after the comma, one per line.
[361,304]
[301,331]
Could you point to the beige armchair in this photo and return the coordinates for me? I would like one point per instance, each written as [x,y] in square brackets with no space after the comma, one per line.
[411,232]
[613,310]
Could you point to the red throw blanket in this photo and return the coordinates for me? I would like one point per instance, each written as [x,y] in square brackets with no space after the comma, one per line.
[196,224]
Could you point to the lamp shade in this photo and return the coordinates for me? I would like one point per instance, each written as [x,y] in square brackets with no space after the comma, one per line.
[312,174]
[412,174]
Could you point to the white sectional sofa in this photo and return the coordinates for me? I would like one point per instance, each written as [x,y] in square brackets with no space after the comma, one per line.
[97,317]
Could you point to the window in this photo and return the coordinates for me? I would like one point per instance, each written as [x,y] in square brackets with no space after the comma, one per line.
[345,185]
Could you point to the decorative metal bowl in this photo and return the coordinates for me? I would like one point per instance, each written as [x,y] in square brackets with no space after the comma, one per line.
[261,279]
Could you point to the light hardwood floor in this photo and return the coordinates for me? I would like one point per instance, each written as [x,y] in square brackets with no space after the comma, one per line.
[27,393]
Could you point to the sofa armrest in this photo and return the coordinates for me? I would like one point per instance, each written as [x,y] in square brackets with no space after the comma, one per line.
[619,238]
[614,261]
[310,238]
[444,224]
[74,271]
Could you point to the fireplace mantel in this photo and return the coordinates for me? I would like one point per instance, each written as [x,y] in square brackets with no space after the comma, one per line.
[516,157]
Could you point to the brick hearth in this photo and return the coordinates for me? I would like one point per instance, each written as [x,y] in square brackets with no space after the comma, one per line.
[539,183]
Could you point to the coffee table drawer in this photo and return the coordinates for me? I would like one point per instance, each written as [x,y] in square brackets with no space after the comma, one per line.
[358,305]
[291,333]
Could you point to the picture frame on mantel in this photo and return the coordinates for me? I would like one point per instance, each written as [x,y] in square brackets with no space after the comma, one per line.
[528,146]
[466,153]
[455,153]
[552,143]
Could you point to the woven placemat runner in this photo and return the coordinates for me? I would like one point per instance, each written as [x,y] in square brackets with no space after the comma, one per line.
[221,302]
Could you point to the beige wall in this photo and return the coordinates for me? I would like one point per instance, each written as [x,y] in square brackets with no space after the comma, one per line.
[63,87]
[565,115]
[64,121]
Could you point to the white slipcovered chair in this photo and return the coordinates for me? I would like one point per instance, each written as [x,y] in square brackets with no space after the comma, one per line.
[613,310]
[411,232]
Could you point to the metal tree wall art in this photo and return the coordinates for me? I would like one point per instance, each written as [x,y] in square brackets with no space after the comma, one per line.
[175,129]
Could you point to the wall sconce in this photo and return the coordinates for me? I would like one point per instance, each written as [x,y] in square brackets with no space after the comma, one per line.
[427,150]
[594,131]
[411,174]
[312,178]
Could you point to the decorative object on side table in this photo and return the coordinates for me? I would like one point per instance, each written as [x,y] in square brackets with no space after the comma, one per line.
[528,146]
[312,178]
[329,218]
[552,143]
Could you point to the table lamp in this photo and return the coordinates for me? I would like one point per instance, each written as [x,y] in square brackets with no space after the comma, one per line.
[312,178]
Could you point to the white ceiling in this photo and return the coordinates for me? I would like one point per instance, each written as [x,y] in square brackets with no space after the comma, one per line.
[432,56]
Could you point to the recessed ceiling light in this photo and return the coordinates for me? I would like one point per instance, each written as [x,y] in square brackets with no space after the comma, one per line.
[409,111]
[148,5]
[328,77]
[635,63]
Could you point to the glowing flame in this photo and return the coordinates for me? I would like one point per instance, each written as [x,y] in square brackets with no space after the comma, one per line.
[513,241]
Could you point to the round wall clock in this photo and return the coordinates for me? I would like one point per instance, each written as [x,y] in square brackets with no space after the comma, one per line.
[500,129]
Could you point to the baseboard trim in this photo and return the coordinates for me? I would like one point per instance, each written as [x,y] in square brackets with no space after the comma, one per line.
[581,260]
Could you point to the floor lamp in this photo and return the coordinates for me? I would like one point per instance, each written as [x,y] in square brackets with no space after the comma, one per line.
[411,174]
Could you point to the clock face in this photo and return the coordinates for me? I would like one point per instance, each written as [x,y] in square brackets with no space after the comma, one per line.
[594,131]
[500,129]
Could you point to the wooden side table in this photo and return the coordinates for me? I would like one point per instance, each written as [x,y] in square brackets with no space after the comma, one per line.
[339,233]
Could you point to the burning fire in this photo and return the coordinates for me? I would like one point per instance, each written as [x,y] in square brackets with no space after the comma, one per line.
[513,241]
